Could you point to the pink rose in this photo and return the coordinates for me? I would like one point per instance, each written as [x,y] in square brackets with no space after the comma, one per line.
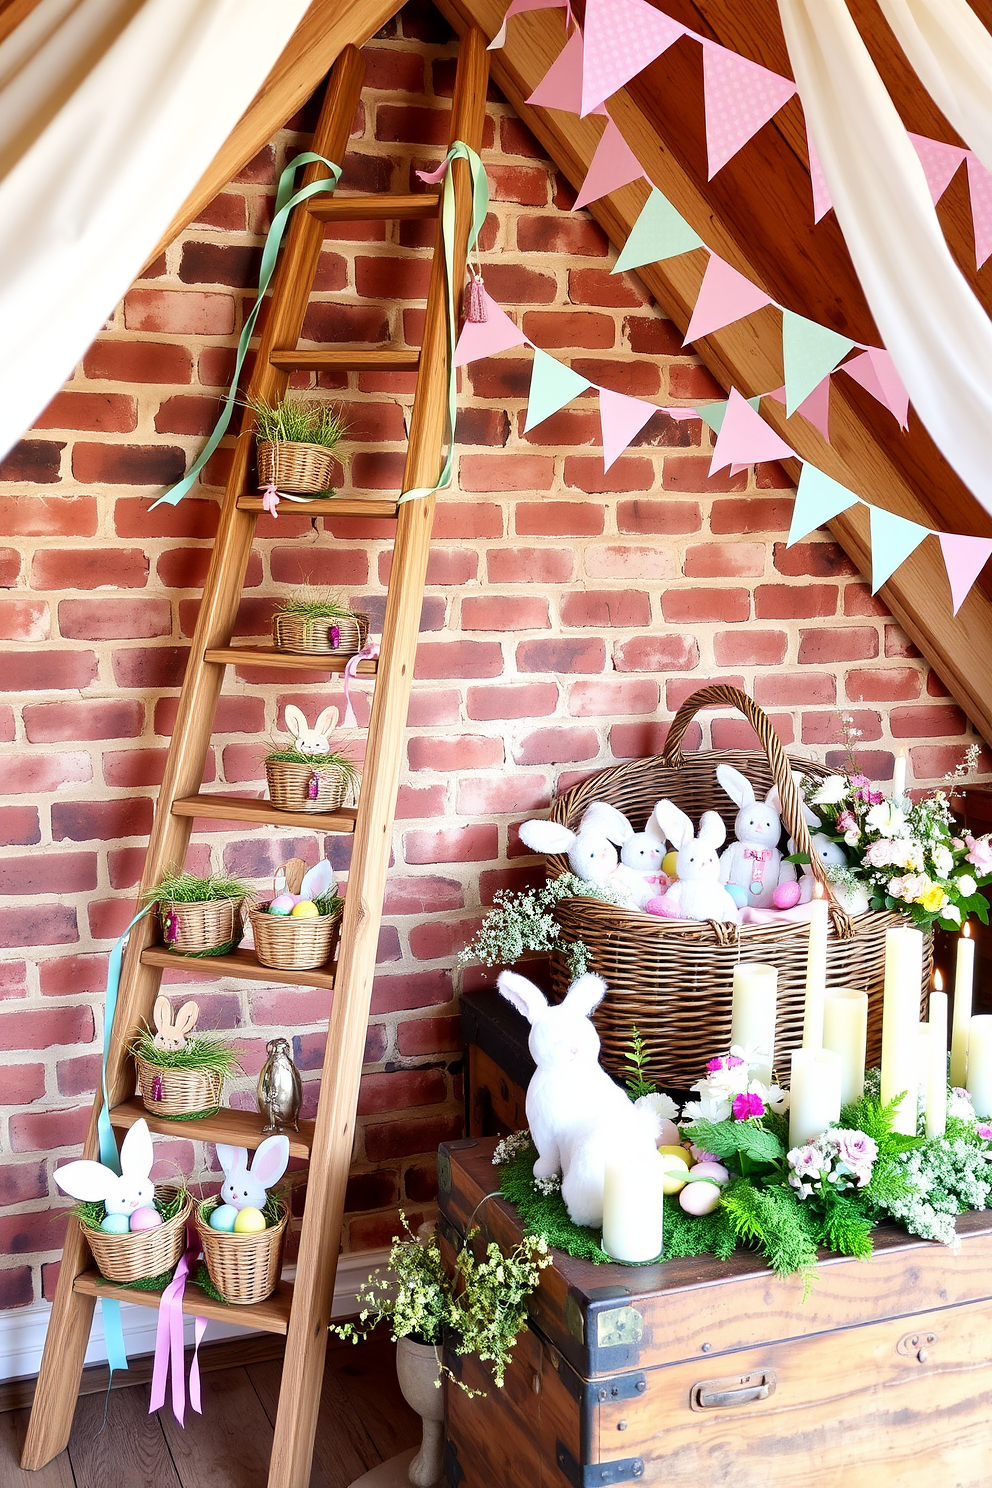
[979,853]
[847,822]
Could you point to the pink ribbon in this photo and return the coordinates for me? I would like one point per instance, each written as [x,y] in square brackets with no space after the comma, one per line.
[369,653]
[431,177]
[169,1343]
[760,856]
[270,500]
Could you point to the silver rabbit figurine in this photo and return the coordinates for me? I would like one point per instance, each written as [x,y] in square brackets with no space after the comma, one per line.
[280,1091]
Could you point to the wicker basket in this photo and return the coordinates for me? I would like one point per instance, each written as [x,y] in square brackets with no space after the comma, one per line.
[243,1268]
[304,469]
[291,943]
[201,927]
[141,1253]
[178,1093]
[327,635]
[295,787]
[673,979]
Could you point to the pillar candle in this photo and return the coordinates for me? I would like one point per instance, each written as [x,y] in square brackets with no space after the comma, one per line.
[845,1032]
[900,1022]
[814,1094]
[980,1064]
[816,970]
[633,1206]
[899,777]
[753,1013]
[964,973]
[937,1073]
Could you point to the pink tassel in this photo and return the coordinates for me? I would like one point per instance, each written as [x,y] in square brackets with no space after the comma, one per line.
[476,307]
[270,500]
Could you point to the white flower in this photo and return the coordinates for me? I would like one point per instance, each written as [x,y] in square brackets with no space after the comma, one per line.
[831,792]
[660,1103]
[752,1056]
[707,1108]
[966,885]
[886,817]
[943,861]
[959,1105]
[952,913]
[773,1096]
[721,1084]
[853,837]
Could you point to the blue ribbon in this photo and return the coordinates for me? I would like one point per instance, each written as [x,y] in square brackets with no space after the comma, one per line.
[286,200]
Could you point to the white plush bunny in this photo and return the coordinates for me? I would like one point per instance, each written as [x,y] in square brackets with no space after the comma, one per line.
[851,897]
[171,1035]
[123,1192]
[577,1115]
[641,858]
[245,1185]
[314,740]
[754,862]
[698,893]
[592,850]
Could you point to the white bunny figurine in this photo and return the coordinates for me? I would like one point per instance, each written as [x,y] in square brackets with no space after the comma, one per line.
[697,894]
[641,857]
[123,1192]
[592,850]
[577,1115]
[245,1184]
[754,862]
[171,1035]
[314,740]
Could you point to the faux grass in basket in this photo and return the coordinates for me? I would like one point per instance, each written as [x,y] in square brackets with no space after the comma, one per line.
[672,979]
[141,1254]
[243,1268]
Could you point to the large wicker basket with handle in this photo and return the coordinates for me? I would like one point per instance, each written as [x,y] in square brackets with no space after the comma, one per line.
[672,979]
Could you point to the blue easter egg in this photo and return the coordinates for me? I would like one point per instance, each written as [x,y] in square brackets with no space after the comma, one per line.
[223,1217]
[116,1224]
[738,894]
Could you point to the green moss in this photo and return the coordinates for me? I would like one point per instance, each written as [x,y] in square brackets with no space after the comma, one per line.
[205,1052]
[311,603]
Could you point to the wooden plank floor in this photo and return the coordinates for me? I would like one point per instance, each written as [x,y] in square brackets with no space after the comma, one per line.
[363,1419]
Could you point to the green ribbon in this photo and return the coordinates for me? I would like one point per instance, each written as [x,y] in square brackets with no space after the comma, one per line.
[480,206]
[286,200]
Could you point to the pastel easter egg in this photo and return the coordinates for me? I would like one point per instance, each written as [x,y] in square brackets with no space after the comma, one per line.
[712,1172]
[116,1224]
[786,895]
[146,1218]
[249,1221]
[223,1217]
[669,1134]
[674,1150]
[669,863]
[283,904]
[674,1174]
[700,1198]
[305,910]
[738,894]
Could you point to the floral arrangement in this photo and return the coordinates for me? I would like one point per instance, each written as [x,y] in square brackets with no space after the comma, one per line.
[525,922]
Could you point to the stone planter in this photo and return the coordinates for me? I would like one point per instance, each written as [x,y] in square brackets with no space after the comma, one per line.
[418,1369]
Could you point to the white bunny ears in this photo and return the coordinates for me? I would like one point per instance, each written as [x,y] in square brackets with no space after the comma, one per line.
[599,818]
[312,883]
[309,740]
[245,1183]
[680,831]
[121,1192]
[583,996]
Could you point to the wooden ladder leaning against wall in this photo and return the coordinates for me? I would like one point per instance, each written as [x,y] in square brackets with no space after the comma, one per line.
[300,1310]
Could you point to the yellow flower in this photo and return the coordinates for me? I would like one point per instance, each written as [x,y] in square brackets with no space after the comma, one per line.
[934,898]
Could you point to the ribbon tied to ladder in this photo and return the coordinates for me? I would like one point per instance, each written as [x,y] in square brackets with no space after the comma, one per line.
[286,200]
[169,1342]
[369,653]
[480,206]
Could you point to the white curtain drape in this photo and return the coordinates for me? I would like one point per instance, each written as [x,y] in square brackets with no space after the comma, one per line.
[110,112]
[951,53]
[931,322]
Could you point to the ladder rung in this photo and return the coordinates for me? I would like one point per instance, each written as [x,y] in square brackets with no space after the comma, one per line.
[287,660]
[241,963]
[271,1316]
[238,1128]
[251,809]
[328,506]
[360,359]
[382,208]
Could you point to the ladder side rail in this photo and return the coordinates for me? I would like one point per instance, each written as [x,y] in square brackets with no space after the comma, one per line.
[330,1160]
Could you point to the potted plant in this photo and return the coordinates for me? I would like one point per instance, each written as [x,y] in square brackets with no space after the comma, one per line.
[296,442]
[200,916]
[318,622]
[181,1073]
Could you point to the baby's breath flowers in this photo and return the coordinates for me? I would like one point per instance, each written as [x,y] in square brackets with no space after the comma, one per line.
[525,922]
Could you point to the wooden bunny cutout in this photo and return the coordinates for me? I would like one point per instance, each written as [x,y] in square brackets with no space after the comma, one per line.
[314,740]
[171,1035]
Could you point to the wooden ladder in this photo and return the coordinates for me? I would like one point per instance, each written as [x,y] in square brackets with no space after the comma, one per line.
[300,1310]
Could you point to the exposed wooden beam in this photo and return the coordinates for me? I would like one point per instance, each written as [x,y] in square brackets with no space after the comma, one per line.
[757,215]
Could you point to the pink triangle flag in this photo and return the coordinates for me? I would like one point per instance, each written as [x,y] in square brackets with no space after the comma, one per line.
[740,97]
[621,38]
[980,189]
[964,559]
[939,161]
[621,418]
[561,85]
[614,164]
[745,438]
[482,338]
[724,296]
[517,7]
[875,370]
[815,407]
[822,200]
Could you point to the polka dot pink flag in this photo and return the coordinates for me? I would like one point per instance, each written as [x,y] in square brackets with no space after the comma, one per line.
[740,96]
[621,38]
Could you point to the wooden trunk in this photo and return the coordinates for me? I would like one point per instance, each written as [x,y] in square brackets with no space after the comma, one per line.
[498,1064]
[709,1374]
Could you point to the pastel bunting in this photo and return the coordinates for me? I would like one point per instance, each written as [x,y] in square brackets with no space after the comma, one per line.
[613,165]
[724,296]
[621,38]
[740,97]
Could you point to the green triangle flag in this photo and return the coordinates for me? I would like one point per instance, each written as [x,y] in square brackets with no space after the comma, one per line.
[552,385]
[811,353]
[818,498]
[659,232]
[893,539]
[713,414]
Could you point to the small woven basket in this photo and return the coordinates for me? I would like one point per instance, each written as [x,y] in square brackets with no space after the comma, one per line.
[198,928]
[291,943]
[175,1093]
[296,787]
[243,1268]
[141,1253]
[304,469]
[673,979]
[326,635]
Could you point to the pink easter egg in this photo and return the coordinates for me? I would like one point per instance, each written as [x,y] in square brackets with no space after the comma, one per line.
[283,904]
[700,1198]
[714,1172]
[786,895]
[669,1135]
[146,1219]
[663,907]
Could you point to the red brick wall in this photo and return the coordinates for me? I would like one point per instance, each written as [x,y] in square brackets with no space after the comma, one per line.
[568,614]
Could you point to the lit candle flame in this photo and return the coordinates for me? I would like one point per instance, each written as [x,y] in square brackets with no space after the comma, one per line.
[938,982]
[966,930]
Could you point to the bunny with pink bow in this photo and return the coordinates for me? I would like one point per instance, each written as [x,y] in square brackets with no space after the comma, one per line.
[752,867]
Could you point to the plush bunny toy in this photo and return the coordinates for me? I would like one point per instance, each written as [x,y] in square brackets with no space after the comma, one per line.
[122,1192]
[171,1035]
[641,857]
[576,1114]
[698,893]
[314,740]
[245,1184]
[592,851]
[753,863]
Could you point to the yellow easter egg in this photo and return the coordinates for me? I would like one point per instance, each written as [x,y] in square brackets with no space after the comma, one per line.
[675,1174]
[304,910]
[677,1152]
[668,864]
[249,1222]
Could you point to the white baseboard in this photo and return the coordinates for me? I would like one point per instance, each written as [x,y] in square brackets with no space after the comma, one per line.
[22,1330]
